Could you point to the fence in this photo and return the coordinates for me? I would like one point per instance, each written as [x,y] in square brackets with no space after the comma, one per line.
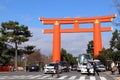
[4,68]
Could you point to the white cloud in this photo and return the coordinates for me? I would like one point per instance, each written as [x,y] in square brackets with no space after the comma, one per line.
[74,43]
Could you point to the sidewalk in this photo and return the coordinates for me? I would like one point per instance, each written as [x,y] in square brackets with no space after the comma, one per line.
[115,76]
[11,71]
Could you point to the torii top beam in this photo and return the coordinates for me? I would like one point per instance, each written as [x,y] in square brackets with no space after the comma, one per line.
[79,20]
[76,22]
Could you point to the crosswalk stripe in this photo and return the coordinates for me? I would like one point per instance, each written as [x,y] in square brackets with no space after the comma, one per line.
[62,77]
[3,77]
[16,77]
[27,77]
[52,77]
[21,77]
[92,77]
[32,77]
[82,78]
[44,77]
[13,77]
[73,77]
[103,78]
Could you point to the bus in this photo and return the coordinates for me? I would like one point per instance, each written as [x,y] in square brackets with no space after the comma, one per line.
[82,58]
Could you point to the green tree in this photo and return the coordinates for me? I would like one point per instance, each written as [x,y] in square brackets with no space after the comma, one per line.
[113,53]
[63,55]
[5,54]
[90,48]
[68,57]
[115,41]
[16,34]
[115,45]
[5,50]
[29,49]
[116,56]
[105,54]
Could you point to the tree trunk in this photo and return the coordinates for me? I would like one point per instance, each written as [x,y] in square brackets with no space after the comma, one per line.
[16,60]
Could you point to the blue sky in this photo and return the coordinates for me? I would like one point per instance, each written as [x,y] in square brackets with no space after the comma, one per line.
[27,12]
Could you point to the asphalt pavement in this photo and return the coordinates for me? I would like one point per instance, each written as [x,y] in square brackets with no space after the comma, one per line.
[115,76]
[72,75]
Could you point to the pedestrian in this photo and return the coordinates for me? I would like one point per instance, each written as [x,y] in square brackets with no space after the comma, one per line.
[113,68]
[88,67]
[119,67]
[67,67]
[95,69]
[56,67]
[10,68]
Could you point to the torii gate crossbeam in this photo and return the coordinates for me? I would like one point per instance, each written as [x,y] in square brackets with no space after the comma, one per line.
[76,21]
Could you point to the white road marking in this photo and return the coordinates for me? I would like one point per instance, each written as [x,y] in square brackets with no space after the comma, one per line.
[52,77]
[72,77]
[103,78]
[32,77]
[43,77]
[13,77]
[62,77]
[28,76]
[3,77]
[21,77]
[92,77]
[82,78]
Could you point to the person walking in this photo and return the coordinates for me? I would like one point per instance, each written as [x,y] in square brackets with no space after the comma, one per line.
[95,69]
[118,67]
[56,67]
[88,67]
[113,67]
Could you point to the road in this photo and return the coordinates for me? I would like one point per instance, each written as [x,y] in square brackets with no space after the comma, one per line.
[72,75]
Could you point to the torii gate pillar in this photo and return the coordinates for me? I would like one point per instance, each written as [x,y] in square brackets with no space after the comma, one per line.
[56,42]
[97,38]
[97,29]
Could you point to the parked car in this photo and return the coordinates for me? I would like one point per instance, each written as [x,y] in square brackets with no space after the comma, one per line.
[51,67]
[33,68]
[100,66]
[74,67]
[65,66]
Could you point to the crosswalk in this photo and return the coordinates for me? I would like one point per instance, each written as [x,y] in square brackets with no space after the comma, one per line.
[49,77]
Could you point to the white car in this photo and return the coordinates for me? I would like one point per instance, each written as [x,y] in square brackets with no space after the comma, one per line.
[84,68]
[50,68]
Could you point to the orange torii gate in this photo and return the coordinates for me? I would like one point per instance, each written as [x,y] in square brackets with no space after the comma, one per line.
[76,21]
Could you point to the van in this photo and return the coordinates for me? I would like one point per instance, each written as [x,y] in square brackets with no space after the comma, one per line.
[82,60]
